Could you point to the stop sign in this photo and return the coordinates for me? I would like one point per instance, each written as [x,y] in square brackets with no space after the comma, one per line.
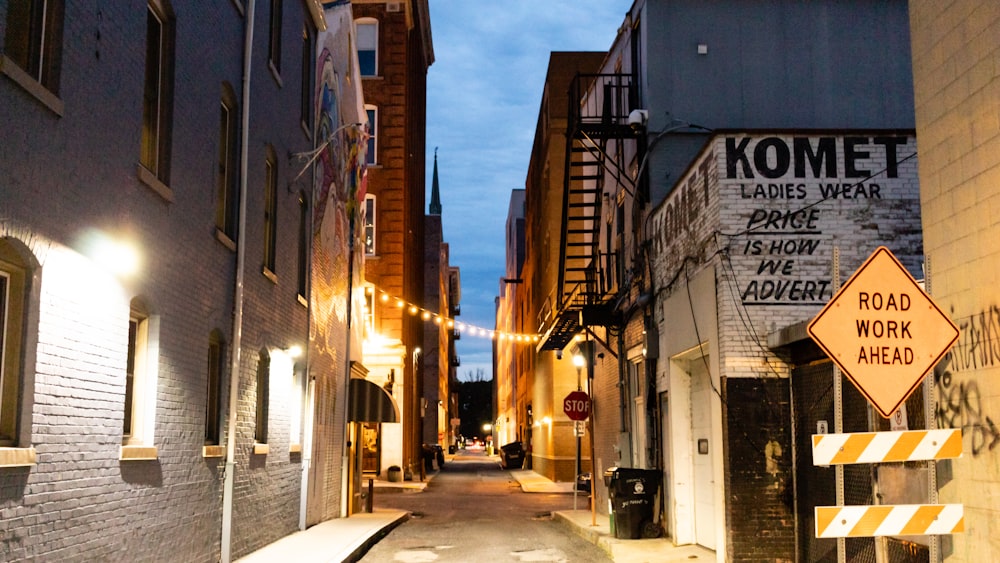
[576,405]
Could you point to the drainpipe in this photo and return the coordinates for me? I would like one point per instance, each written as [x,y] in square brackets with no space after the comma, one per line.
[234,370]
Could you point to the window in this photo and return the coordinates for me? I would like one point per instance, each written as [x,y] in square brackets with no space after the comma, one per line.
[274,45]
[136,382]
[157,98]
[367,36]
[33,39]
[369,222]
[13,285]
[303,269]
[213,396]
[305,98]
[270,210]
[263,396]
[295,407]
[369,313]
[227,180]
[372,112]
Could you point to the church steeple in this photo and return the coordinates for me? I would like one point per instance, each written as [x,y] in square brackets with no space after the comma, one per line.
[435,207]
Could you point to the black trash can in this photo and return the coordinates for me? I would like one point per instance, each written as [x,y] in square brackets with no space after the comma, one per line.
[633,502]
[512,455]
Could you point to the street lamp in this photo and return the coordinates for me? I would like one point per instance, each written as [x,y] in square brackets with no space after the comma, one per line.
[488,438]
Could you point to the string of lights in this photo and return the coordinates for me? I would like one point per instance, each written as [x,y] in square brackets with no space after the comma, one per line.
[387,298]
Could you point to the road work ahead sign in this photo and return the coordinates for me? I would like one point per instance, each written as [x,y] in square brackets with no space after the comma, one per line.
[883,331]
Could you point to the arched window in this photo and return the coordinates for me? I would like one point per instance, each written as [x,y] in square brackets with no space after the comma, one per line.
[17,269]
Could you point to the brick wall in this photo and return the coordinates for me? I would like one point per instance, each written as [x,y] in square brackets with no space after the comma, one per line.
[64,177]
[765,218]
[956,86]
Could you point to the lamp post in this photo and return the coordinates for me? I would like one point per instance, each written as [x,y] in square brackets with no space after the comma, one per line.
[488,438]
[578,361]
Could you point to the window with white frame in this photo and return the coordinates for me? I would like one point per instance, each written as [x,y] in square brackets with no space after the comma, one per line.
[367,38]
[369,224]
[140,388]
[372,112]
[157,98]
[34,40]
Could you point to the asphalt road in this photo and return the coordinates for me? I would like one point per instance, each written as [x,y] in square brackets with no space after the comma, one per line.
[473,511]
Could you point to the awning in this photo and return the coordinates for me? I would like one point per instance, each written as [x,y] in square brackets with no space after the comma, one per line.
[370,403]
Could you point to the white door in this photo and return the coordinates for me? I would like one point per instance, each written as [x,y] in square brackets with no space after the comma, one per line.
[704,454]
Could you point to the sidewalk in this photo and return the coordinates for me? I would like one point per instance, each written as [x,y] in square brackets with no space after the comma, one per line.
[659,550]
[339,540]
[343,540]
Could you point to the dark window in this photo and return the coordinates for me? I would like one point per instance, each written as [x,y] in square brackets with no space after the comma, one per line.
[303,269]
[227,179]
[213,397]
[34,39]
[157,96]
[306,103]
[263,395]
[270,210]
[274,47]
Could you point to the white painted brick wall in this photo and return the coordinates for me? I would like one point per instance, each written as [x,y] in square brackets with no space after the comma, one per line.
[709,219]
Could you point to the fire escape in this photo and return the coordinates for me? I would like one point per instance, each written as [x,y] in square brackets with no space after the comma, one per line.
[589,272]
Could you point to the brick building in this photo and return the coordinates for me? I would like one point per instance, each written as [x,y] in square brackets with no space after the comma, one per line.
[543,379]
[162,408]
[394,53]
[442,298]
[956,76]
[642,133]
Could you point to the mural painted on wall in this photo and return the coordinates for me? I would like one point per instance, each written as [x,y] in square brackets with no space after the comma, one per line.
[960,402]
[340,178]
[803,194]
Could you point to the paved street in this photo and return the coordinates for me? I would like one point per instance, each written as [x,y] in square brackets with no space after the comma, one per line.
[474,511]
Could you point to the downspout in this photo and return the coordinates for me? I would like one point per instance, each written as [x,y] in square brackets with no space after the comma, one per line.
[234,370]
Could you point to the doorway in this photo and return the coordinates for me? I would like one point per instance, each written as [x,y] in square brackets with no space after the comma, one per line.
[704,454]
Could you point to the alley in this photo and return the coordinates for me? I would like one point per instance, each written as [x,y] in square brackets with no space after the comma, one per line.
[474,511]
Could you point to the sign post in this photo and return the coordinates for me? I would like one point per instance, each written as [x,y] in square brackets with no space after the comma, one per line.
[886,334]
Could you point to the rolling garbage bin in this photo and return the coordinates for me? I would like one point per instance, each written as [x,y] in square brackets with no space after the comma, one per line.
[633,502]
[512,455]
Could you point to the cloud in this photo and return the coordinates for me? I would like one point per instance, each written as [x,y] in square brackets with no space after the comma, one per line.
[483,95]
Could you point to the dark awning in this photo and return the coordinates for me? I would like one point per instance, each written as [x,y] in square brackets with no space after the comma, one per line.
[370,403]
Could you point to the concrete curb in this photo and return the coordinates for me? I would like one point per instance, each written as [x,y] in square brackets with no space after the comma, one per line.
[365,543]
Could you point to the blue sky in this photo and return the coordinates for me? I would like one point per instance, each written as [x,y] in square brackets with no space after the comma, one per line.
[483,94]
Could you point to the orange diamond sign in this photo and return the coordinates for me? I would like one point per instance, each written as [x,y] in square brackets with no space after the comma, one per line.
[883,331]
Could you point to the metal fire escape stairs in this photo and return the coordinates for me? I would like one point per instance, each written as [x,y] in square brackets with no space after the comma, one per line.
[597,123]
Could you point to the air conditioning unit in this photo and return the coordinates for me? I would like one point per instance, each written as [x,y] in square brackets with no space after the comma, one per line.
[393,6]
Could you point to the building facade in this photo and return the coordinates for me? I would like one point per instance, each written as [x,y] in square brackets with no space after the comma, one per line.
[506,427]
[394,53]
[957,94]
[158,289]
[546,378]
[643,151]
